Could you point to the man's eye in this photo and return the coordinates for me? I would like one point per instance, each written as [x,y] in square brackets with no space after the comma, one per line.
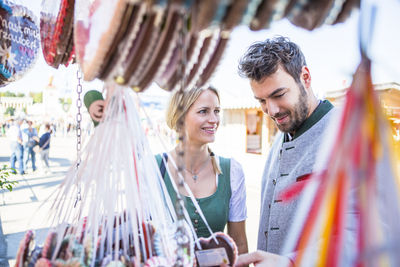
[277,96]
[262,101]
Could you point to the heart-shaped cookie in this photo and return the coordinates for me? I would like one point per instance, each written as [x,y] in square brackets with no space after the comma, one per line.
[56,31]
[49,245]
[209,245]
[24,247]
[19,43]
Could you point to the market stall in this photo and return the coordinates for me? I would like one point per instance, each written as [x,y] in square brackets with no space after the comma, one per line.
[113,208]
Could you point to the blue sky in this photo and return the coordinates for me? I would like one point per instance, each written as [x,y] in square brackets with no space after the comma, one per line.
[331,52]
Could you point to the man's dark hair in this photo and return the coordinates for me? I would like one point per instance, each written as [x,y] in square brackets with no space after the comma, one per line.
[263,58]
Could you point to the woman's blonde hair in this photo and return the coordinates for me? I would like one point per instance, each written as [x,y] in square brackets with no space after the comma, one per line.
[186,100]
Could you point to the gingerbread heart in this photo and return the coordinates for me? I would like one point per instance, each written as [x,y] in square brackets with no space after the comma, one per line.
[19,43]
[49,245]
[25,246]
[56,31]
[212,254]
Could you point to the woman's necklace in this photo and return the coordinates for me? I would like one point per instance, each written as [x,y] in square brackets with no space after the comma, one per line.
[196,175]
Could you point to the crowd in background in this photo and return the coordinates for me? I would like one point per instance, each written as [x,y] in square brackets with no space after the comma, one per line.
[28,141]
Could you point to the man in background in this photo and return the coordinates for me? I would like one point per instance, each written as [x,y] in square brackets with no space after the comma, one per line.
[30,139]
[17,150]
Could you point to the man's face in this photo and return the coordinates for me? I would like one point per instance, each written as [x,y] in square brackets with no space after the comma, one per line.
[284,100]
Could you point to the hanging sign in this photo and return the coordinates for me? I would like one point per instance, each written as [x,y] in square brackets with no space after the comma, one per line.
[19,42]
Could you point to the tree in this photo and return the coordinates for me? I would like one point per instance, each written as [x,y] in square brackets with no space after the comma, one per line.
[37,97]
[20,95]
[10,111]
[4,182]
[65,100]
[9,94]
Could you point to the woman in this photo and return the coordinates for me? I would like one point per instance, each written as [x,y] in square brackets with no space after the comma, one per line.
[44,144]
[216,182]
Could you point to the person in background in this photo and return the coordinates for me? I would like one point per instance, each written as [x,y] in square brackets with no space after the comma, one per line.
[17,149]
[44,144]
[30,139]
[217,183]
[3,129]
[281,82]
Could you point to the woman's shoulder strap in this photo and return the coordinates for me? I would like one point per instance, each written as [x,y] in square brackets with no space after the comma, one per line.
[225,164]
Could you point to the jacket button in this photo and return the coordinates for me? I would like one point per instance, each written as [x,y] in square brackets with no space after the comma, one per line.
[266,234]
[269,205]
[195,229]
[274,181]
[196,221]
[196,211]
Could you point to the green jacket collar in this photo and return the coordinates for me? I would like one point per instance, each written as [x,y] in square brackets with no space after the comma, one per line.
[322,109]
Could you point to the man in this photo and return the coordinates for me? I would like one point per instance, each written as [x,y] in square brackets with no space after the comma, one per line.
[281,82]
[17,150]
[30,139]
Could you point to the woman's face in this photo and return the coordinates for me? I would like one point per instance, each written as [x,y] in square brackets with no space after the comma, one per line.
[202,119]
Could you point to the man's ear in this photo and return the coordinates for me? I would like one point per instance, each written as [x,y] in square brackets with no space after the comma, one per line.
[306,76]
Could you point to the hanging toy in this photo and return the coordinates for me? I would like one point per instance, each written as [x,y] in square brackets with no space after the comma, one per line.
[94,103]
[19,43]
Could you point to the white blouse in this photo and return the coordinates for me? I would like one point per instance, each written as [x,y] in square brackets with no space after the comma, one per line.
[237,204]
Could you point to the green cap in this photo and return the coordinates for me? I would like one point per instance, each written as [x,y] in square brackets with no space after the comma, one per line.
[92,96]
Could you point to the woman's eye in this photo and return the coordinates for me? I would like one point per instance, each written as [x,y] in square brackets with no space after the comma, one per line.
[217,111]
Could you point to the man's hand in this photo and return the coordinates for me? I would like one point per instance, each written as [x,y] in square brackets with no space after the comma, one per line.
[263,259]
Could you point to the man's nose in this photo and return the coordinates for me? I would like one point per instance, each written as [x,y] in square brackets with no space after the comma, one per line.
[271,108]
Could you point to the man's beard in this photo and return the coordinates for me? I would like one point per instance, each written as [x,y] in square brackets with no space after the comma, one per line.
[297,116]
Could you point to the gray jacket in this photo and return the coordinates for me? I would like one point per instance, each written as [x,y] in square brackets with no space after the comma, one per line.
[286,164]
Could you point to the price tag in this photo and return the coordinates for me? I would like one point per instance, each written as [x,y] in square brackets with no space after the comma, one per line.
[211,257]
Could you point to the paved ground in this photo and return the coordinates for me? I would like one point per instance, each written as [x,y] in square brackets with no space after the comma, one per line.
[27,205]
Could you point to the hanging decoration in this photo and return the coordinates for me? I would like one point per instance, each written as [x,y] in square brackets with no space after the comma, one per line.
[124,216]
[349,210]
[19,42]
[56,32]
[134,43]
